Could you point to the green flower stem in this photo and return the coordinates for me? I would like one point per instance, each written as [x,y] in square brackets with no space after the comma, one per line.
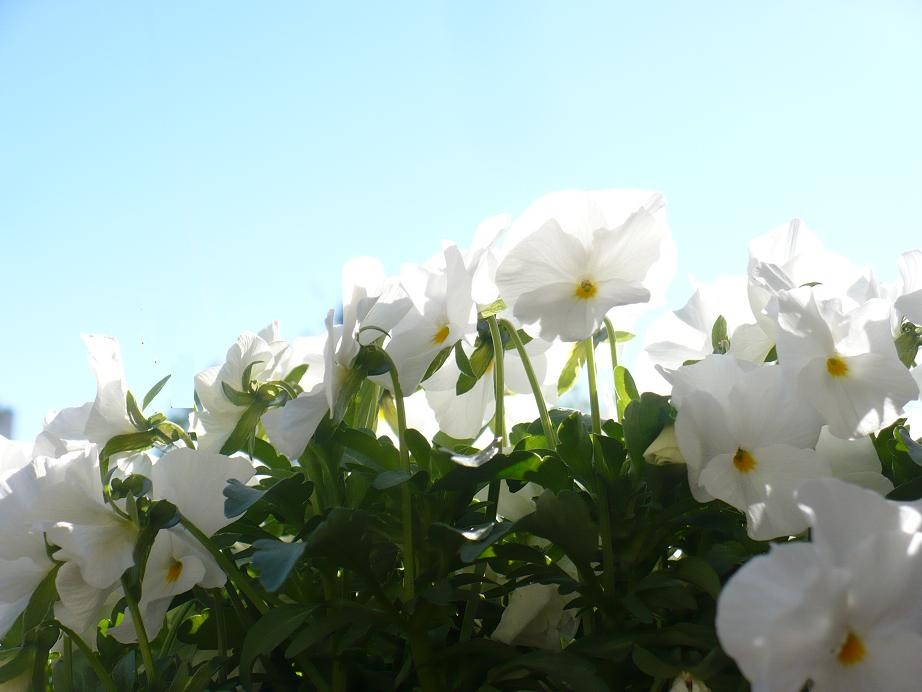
[67,654]
[426,668]
[608,558]
[499,423]
[409,556]
[258,597]
[593,390]
[499,381]
[613,346]
[143,641]
[105,679]
[546,424]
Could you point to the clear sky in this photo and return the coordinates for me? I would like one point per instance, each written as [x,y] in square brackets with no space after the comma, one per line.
[173,173]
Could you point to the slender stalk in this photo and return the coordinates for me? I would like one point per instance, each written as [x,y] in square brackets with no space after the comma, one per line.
[217,608]
[143,641]
[105,679]
[499,381]
[546,423]
[68,655]
[409,556]
[499,423]
[239,579]
[593,390]
[608,558]
[613,347]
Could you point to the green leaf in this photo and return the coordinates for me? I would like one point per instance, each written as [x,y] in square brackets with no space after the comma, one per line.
[274,561]
[654,666]
[246,379]
[344,536]
[238,498]
[129,442]
[475,546]
[625,388]
[644,420]
[564,671]
[480,458]
[575,448]
[134,413]
[462,361]
[419,448]
[564,519]
[437,362]
[245,431]
[269,631]
[720,342]
[391,479]
[696,571]
[153,392]
[294,377]
[913,448]
[907,343]
[571,368]
[235,397]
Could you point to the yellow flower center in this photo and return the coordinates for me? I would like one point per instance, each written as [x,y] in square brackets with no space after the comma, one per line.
[441,334]
[836,366]
[852,650]
[174,572]
[743,461]
[585,289]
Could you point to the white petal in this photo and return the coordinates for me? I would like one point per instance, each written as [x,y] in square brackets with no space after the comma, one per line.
[291,427]
[194,481]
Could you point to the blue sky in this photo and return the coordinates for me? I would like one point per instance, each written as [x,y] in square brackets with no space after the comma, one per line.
[174,173]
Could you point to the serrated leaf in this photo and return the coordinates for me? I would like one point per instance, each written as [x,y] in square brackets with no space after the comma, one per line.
[274,560]
[238,498]
[564,519]
[154,391]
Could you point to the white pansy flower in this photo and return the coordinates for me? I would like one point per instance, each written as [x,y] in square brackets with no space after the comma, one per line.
[746,440]
[584,257]
[73,512]
[844,364]
[442,313]
[175,565]
[841,612]
[261,354]
[24,561]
